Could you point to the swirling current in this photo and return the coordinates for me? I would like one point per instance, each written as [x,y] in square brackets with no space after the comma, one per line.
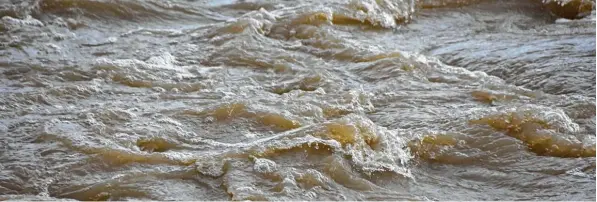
[297,100]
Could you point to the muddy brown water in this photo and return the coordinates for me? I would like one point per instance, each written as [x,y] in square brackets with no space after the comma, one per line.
[297,100]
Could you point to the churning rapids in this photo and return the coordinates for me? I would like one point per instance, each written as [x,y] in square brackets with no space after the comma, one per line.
[297,100]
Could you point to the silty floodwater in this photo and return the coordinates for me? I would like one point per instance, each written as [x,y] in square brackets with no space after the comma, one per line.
[297,100]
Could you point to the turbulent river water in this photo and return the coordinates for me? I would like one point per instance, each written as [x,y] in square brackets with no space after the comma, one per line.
[297,100]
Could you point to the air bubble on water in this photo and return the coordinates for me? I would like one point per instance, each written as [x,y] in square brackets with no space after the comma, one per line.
[263,165]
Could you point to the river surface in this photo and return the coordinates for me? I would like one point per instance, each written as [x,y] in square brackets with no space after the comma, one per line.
[297,100]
